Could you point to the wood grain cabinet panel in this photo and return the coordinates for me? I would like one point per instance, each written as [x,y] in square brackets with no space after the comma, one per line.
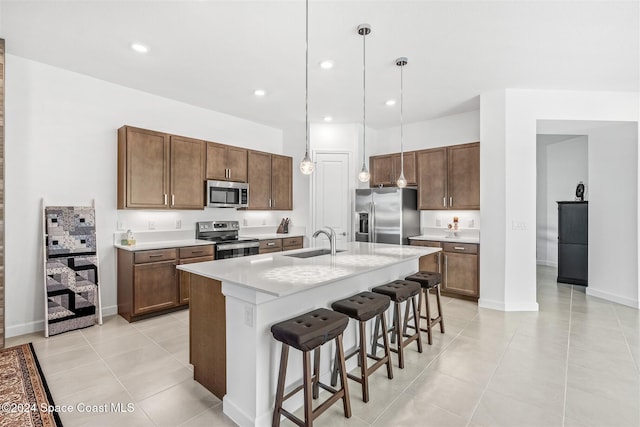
[460,274]
[184,278]
[226,163]
[464,176]
[429,262]
[449,177]
[270,181]
[159,171]
[143,168]
[154,287]
[281,185]
[432,179]
[385,169]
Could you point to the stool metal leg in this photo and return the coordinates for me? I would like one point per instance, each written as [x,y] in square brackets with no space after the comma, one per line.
[280,390]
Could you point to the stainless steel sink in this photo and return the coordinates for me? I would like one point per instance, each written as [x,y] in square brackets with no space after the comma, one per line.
[311,254]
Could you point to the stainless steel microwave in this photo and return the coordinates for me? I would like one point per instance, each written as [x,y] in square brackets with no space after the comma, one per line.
[224,194]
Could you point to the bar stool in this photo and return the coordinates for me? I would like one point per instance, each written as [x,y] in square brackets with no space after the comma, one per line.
[400,291]
[363,307]
[308,332]
[429,280]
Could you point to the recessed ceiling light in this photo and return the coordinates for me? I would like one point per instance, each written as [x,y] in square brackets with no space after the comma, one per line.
[328,118]
[326,65]
[139,47]
[390,102]
[259,92]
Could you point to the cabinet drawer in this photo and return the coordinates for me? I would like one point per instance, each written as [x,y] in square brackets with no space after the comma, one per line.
[154,256]
[268,251]
[271,244]
[292,241]
[429,243]
[196,251]
[466,248]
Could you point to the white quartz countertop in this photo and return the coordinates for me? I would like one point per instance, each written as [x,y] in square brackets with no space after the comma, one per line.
[442,238]
[268,236]
[164,244]
[280,275]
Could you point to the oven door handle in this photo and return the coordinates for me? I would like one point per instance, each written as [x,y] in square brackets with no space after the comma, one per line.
[227,246]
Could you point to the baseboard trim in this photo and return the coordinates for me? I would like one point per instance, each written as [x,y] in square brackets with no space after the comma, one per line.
[508,306]
[613,297]
[38,325]
[546,263]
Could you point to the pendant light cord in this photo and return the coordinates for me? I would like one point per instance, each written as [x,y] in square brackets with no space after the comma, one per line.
[401,120]
[364,95]
[306,78]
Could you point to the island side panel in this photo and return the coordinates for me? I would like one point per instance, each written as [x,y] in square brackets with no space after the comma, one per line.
[207,334]
[253,354]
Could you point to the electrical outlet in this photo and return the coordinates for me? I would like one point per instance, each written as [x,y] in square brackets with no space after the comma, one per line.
[178,223]
[120,225]
[248,315]
[152,225]
[518,225]
[245,222]
[471,223]
[438,222]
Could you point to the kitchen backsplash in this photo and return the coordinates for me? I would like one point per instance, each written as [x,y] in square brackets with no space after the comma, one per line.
[440,219]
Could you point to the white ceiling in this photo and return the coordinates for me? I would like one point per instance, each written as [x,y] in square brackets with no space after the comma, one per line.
[213,54]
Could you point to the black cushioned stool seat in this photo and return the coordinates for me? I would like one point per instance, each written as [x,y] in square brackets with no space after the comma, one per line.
[308,332]
[363,307]
[400,291]
[429,280]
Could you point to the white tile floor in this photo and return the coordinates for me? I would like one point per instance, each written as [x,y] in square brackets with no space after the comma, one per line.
[573,363]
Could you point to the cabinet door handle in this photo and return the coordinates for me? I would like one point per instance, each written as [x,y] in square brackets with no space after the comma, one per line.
[438,267]
[274,203]
[271,244]
[229,173]
[458,248]
[165,199]
[444,201]
[269,202]
[450,201]
[196,252]
[156,256]
[173,199]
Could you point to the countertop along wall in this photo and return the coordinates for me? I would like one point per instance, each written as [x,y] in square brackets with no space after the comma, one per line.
[61,145]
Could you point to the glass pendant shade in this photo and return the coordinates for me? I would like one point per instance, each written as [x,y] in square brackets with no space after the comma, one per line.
[364,175]
[306,165]
[402,181]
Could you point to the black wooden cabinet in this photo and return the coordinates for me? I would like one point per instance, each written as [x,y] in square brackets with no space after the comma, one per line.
[573,238]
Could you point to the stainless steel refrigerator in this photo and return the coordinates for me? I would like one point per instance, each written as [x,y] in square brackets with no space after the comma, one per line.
[387,215]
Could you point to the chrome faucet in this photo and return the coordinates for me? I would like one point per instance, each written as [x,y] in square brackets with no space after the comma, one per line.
[331,235]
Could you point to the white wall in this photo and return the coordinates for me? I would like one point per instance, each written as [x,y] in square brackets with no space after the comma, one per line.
[61,145]
[562,162]
[508,182]
[613,214]
[450,130]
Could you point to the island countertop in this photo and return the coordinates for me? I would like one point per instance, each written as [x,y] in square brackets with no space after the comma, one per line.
[280,274]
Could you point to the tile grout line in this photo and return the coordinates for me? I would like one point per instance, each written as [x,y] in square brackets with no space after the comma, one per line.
[486,387]
[566,364]
[626,341]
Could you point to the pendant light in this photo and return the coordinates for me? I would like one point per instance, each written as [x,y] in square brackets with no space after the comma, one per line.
[306,165]
[363,30]
[402,182]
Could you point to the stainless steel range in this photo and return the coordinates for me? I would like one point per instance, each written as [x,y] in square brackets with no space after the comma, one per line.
[225,235]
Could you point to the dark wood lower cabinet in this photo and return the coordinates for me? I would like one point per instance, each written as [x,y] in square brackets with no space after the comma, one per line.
[207,334]
[149,283]
[459,265]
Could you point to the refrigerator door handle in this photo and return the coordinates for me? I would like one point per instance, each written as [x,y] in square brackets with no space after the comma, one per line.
[372,222]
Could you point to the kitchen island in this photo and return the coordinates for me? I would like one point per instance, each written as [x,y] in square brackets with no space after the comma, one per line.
[235,301]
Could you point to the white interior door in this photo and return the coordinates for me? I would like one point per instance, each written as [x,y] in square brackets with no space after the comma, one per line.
[333,192]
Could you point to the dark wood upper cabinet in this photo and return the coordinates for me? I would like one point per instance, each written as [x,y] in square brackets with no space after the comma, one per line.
[281,185]
[449,177]
[385,169]
[187,171]
[270,181]
[226,163]
[159,171]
